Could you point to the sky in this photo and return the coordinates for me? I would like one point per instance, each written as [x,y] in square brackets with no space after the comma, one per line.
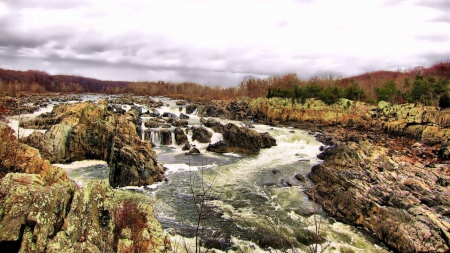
[221,42]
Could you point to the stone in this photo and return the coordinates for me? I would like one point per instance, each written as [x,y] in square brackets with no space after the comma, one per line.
[180,136]
[201,134]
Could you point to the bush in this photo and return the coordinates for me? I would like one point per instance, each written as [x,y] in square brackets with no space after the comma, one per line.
[129,215]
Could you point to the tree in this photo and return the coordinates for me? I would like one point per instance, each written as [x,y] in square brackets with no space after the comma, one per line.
[387,91]
[354,92]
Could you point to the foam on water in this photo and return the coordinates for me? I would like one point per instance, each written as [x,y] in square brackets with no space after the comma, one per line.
[80,164]
[84,171]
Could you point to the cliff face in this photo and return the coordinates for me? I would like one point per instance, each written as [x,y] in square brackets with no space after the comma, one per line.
[91,131]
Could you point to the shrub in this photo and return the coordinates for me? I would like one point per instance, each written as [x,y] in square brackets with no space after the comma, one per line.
[129,215]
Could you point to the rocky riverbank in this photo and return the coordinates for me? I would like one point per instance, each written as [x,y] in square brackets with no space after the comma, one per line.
[385,168]
[41,210]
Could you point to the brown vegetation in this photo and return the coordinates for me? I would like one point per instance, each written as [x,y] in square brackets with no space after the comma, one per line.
[12,82]
[130,216]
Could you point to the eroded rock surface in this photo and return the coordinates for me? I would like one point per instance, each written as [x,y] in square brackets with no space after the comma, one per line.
[35,217]
[239,139]
[91,131]
[397,193]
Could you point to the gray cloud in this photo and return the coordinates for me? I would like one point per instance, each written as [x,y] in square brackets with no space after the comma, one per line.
[441,5]
[445,18]
[433,38]
[145,55]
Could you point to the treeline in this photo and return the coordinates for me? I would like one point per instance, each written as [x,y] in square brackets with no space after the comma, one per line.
[12,81]
[424,85]
[423,89]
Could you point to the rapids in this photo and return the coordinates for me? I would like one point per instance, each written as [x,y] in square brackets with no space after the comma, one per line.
[249,203]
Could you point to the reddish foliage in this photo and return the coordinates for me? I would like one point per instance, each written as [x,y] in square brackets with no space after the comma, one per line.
[130,216]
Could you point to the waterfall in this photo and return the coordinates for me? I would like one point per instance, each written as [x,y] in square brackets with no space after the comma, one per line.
[155,137]
[172,133]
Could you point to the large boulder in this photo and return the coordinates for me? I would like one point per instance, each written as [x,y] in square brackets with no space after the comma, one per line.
[166,136]
[201,134]
[238,139]
[180,136]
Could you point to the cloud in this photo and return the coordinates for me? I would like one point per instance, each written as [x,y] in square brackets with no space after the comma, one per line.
[217,42]
[444,18]
[440,5]
[434,38]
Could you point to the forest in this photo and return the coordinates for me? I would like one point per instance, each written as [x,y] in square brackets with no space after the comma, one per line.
[428,86]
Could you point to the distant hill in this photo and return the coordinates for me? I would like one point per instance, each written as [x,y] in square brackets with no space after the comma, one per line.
[39,81]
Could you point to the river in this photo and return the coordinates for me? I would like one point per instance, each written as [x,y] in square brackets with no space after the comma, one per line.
[246,203]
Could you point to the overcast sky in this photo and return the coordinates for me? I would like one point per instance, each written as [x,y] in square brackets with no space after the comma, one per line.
[221,42]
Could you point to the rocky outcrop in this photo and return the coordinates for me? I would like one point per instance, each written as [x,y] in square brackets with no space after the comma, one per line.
[180,136]
[60,217]
[239,139]
[156,123]
[166,136]
[91,131]
[190,108]
[180,123]
[41,210]
[201,134]
[398,192]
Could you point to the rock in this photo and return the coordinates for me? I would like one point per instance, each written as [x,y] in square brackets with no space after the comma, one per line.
[246,140]
[170,115]
[64,218]
[154,113]
[370,186]
[300,177]
[285,183]
[16,196]
[201,134]
[275,171]
[193,151]
[180,136]
[218,147]
[186,146]
[166,136]
[212,123]
[184,116]
[155,123]
[180,123]
[383,104]
[89,131]
[191,108]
